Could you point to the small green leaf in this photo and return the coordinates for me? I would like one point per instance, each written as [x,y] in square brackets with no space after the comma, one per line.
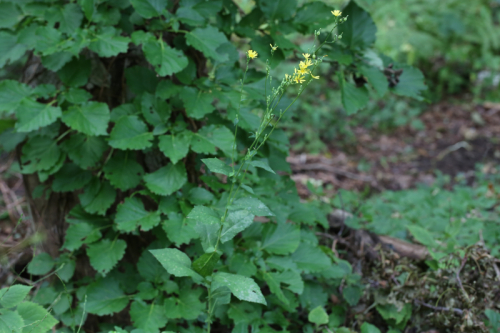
[376,78]
[12,93]
[262,164]
[200,196]
[236,222]
[70,178]
[353,98]
[13,295]
[105,297]
[253,205]
[310,258]
[36,317]
[75,73]
[91,118]
[85,151]
[221,295]
[175,262]
[318,316]
[149,317]
[216,165]
[33,115]
[283,238]
[187,306]
[123,171]
[97,197]
[41,264]
[411,83]
[104,255]
[352,294]
[369,328]
[175,147]
[39,153]
[130,133]
[166,180]
[243,288]
[207,40]
[166,60]
[197,103]
[422,235]
[131,214]
[205,264]
[210,136]
[179,230]
[69,17]
[84,228]
[108,43]
[149,8]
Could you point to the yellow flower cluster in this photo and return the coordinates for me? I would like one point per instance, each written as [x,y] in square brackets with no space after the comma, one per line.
[299,74]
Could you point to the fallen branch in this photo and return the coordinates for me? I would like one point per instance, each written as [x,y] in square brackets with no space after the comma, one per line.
[440,308]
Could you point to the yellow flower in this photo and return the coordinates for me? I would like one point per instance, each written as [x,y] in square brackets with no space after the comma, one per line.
[252,54]
[314,77]
[298,79]
[306,55]
[336,13]
[273,47]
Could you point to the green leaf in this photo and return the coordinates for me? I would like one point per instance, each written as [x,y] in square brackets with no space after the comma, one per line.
[353,98]
[207,40]
[493,318]
[262,164]
[205,264]
[197,103]
[9,15]
[88,7]
[131,214]
[200,196]
[369,328]
[149,317]
[105,297]
[91,118]
[318,316]
[39,153]
[166,60]
[175,262]
[187,306]
[221,295]
[175,147]
[10,47]
[104,255]
[108,43]
[155,110]
[32,115]
[75,73]
[84,151]
[283,238]
[274,286]
[69,17]
[36,318]
[253,205]
[179,230]
[207,226]
[279,9]
[210,136]
[12,93]
[56,61]
[97,197]
[123,171]
[149,8]
[13,295]
[422,236]
[310,258]
[313,15]
[376,78]
[411,83]
[83,228]
[236,222]
[166,180]
[352,294]
[70,178]
[11,322]
[41,264]
[130,133]
[243,288]
[359,30]
[216,165]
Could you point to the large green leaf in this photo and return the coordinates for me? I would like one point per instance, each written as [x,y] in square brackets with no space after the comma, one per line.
[91,118]
[39,153]
[75,73]
[9,14]
[11,322]
[12,93]
[149,317]
[179,229]
[411,83]
[359,30]
[167,180]
[353,98]
[32,115]
[13,295]
[104,255]
[218,166]
[205,264]
[85,151]
[109,43]
[36,318]
[155,110]
[166,60]
[213,136]
[242,287]
[207,226]
[318,316]
[312,16]
[149,8]
[97,197]
[283,238]
[196,102]
[175,147]
[175,262]
[236,222]
[253,205]
[187,306]
[131,214]
[207,40]
[310,258]
[10,47]
[69,17]
[70,178]
[130,133]
[376,78]
[105,297]
[123,171]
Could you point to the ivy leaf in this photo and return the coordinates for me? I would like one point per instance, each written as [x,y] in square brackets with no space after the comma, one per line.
[12,93]
[123,171]
[318,316]
[411,83]
[376,78]
[179,230]
[130,133]
[105,297]
[216,165]
[253,205]
[91,118]
[310,258]
[107,43]
[104,255]
[175,147]
[41,152]
[97,197]
[283,238]
[196,102]
[262,164]
[242,287]
[35,315]
[166,60]
[353,98]
[187,306]
[131,214]
[149,8]
[175,262]
[205,264]
[85,151]
[33,115]
[207,40]
[166,180]
[13,295]
[207,226]
[236,222]
[359,30]
[149,317]
[70,178]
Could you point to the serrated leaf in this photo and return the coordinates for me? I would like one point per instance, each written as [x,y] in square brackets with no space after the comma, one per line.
[197,103]
[310,258]
[36,318]
[318,316]
[236,222]
[91,118]
[149,317]
[13,295]
[97,197]
[179,230]
[83,228]
[41,264]
[253,205]
[155,110]
[85,151]
[216,165]
[283,238]
[11,322]
[75,73]
[104,255]
[166,180]
[10,48]
[131,214]
[213,136]
[39,153]
[205,264]
[108,43]
[411,83]
[359,30]
[70,178]
[207,226]
[243,288]
[175,262]
[149,8]
[187,306]
[123,171]
[207,40]
[56,61]
[166,60]
[353,98]
[12,93]
[262,164]
[105,297]
[33,115]
[77,96]
[69,17]
[130,133]
[175,147]
[376,78]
